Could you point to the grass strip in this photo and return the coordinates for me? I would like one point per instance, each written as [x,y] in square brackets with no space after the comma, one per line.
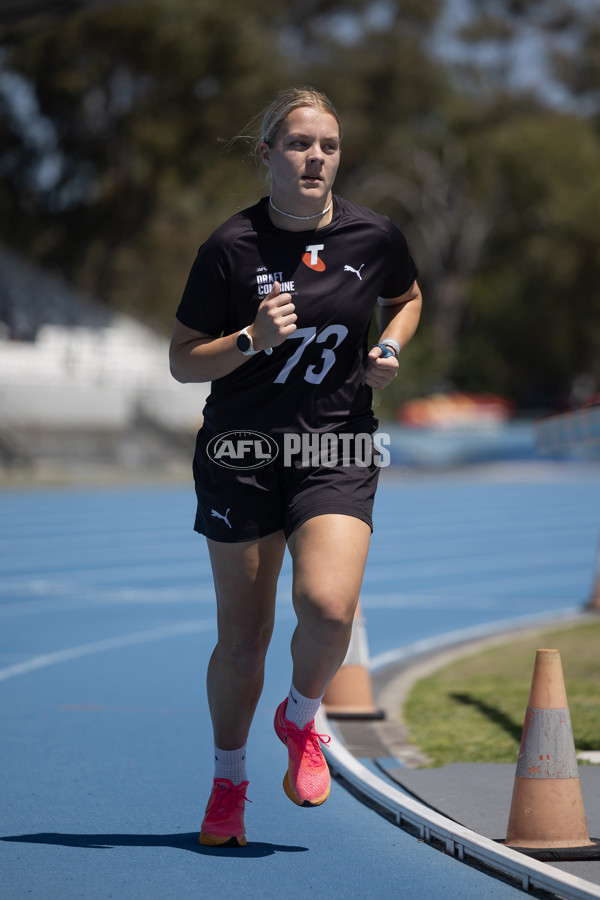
[473,709]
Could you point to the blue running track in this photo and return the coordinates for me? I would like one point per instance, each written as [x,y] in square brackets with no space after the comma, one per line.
[106,624]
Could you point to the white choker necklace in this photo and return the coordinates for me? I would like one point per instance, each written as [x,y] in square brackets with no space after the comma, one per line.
[300,218]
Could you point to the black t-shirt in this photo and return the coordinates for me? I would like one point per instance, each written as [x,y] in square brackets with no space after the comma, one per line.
[314,381]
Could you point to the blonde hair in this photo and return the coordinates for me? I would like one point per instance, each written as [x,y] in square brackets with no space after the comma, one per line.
[274,116]
[285,103]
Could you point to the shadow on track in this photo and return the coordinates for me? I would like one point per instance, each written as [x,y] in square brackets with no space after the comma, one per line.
[185,841]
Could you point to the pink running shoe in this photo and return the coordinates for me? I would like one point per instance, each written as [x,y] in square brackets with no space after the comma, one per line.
[307,781]
[224,819]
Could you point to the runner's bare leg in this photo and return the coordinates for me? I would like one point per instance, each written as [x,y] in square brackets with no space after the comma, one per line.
[245,576]
[329,554]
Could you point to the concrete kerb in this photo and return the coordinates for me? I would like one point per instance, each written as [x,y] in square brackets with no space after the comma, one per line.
[394,674]
[454,839]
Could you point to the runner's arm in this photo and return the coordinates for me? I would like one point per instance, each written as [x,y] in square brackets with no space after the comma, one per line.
[196,357]
[398,318]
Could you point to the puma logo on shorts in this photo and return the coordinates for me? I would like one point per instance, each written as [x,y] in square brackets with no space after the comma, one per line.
[217,515]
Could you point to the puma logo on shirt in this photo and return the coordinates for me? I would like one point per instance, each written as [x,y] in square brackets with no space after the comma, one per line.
[356,271]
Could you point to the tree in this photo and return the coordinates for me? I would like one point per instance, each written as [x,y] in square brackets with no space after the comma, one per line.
[517,46]
[533,321]
[121,167]
[116,160]
[133,102]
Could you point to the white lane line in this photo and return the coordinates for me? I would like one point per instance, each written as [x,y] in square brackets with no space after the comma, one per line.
[102,572]
[372,601]
[546,583]
[466,558]
[125,640]
[70,597]
[462,635]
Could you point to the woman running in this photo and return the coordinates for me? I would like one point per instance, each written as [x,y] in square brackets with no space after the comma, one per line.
[276,314]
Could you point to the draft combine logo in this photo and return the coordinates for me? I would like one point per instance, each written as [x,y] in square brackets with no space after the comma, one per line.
[242,450]
[312,259]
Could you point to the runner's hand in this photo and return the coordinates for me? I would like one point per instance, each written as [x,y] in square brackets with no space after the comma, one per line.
[275,319]
[381,371]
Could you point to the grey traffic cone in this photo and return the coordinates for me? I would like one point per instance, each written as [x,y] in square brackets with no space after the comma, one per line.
[547,817]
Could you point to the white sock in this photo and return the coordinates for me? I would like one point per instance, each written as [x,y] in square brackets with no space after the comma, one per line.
[301,710]
[231,764]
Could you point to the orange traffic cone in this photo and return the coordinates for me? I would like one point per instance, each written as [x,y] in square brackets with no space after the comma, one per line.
[547,818]
[594,602]
[350,695]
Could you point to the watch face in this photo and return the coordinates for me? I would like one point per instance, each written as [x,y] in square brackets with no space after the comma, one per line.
[243,342]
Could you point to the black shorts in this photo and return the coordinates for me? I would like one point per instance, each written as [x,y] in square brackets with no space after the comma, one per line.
[237,504]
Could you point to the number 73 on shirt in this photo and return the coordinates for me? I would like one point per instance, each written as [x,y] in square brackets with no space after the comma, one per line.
[314,373]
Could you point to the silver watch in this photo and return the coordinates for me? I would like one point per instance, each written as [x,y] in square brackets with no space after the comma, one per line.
[244,343]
